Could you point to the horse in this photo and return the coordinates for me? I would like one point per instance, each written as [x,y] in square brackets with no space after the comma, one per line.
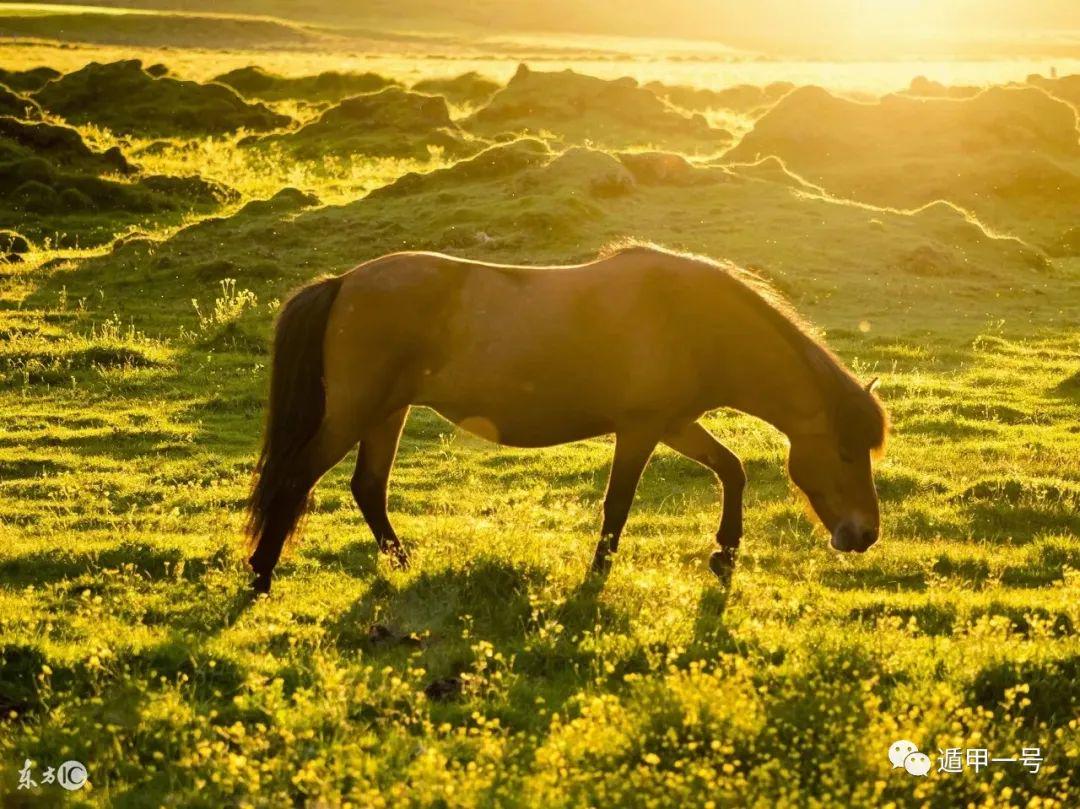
[640,343]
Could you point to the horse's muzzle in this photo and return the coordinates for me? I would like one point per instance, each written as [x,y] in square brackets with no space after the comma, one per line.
[850,536]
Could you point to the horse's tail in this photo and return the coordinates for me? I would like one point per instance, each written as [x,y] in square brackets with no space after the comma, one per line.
[295,411]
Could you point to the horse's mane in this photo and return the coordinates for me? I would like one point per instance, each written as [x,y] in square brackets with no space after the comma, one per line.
[857,413]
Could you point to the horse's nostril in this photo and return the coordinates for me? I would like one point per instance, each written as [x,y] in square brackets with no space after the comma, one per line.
[844,537]
[849,536]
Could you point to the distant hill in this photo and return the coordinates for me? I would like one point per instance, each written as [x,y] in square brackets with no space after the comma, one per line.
[836,29]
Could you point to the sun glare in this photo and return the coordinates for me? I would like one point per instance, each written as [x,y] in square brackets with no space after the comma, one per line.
[890,27]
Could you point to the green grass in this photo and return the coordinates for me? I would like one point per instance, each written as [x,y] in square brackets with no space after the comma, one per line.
[129,640]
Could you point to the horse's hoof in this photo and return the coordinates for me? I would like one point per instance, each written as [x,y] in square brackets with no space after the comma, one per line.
[722,563]
[261,585]
[399,558]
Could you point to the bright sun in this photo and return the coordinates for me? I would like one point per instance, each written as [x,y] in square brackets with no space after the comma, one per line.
[874,30]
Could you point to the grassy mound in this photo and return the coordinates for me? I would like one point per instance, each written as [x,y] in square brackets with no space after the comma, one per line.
[621,114]
[467,89]
[85,23]
[1067,88]
[52,182]
[48,201]
[126,99]
[12,242]
[1010,155]
[491,164]
[771,169]
[16,105]
[745,98]
[811,125]
[13,246]
[254,82]
[665,168]
[923,87]
[27,81]
[581,172]
[59,145]
[284,201]
[522,198]
[389,123]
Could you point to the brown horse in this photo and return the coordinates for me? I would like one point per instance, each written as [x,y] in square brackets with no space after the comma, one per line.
[641,343]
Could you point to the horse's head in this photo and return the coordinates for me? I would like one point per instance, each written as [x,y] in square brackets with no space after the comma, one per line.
[833,469]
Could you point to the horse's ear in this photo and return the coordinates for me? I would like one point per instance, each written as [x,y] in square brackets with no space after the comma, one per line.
[872,385]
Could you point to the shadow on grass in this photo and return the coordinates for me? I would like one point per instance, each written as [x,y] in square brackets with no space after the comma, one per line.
[154,563]
[493,593]
[874,577]
[445,612]
[211,677]
[357,558]
[1053,689]
[932,619]
[1017,524]
[711,635]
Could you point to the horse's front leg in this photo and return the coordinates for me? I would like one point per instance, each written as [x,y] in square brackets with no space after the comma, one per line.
[632,452]
[698,444]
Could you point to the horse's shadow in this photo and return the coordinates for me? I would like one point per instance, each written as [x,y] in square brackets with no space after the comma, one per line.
[710,633]
[439,615]
[355,558]
[487,596]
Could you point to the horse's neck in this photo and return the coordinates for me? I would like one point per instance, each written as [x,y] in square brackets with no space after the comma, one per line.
[780,383]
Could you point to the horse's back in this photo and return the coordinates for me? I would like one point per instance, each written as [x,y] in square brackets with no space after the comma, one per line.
[546,353]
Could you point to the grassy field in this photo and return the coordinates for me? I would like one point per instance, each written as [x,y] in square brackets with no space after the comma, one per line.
[494,672]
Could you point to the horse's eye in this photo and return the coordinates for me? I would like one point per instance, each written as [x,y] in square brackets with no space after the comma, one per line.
[846,456]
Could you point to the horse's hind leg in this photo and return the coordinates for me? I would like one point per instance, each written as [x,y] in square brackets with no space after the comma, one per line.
[632,452]
[378,447]
[698,444]
[326,448]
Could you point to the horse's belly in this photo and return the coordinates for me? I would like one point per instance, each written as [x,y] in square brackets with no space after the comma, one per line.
[521,427]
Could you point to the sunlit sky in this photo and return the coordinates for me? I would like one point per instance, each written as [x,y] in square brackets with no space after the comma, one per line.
[841,28]
[815,28]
